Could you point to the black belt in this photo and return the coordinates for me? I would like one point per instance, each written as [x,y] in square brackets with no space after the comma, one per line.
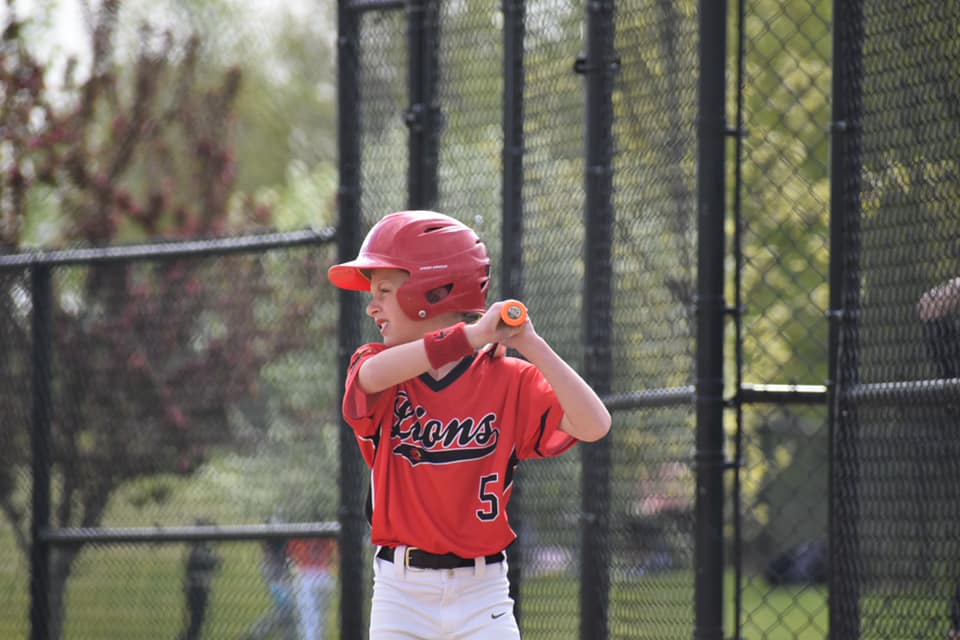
[420,559]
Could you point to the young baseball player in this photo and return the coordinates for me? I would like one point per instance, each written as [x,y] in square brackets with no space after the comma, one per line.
[442,417]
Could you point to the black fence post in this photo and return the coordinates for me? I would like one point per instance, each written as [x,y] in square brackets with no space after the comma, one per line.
[708,544]
[599,66]
[423,116]
[511,273]
[845,187]
[41,446]
[511,237]
[352,469]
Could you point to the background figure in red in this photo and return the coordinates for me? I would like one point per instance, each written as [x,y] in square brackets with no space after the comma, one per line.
[313,560]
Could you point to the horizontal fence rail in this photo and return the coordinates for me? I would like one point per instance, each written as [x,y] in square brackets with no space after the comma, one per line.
[154,535]
[185,249]
[749,394]
[650,398]
[783,393]
[914,392]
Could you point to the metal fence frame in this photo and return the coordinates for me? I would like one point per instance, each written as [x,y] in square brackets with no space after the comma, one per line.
[599,65]
[44,537]
[842,393]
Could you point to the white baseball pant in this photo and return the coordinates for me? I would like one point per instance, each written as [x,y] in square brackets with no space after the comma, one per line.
[469,603]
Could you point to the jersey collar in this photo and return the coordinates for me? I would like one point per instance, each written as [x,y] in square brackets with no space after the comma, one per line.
[450,378]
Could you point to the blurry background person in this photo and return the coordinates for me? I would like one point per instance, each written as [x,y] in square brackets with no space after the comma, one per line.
[201,566]
[280,619]
[313,560]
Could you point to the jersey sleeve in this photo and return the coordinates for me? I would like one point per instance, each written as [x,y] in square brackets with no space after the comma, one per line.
[360,407]
[542,436]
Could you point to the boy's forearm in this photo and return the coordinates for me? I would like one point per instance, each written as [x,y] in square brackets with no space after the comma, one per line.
[393,366]
[402,362]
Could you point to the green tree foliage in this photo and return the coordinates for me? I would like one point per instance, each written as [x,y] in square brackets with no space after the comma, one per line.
[785,193]
[784,199]
[285,107]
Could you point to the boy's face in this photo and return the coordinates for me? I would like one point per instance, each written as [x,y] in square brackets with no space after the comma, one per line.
[394,325]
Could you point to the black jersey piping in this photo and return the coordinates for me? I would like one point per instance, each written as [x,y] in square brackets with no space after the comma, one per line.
[450,378]
[510,470]
[543,428]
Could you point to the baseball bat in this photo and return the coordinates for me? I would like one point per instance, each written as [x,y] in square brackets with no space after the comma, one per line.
[513,313]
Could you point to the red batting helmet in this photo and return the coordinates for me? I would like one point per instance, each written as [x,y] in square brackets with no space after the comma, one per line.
[447,262]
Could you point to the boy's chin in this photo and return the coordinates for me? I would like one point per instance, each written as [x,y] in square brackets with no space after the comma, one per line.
[390,341]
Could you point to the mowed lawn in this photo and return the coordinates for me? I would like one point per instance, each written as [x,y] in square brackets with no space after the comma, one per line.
[660,606]
[131,592]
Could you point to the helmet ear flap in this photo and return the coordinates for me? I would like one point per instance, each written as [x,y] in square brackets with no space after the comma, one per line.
[419,305]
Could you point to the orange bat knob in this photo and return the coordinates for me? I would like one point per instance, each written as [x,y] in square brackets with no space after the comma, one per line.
[513,313]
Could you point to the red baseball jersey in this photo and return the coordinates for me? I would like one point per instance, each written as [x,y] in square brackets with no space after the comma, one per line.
[443,452]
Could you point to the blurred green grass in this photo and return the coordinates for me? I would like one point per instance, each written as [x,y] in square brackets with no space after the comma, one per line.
[134,592]
[131,592]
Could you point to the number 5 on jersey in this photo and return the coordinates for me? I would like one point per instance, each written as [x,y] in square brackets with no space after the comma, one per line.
[489,498]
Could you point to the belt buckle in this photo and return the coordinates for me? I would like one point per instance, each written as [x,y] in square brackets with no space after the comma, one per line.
[406,556]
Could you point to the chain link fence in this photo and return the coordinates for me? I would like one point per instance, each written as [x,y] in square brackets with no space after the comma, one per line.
[180,417]
[899,482]
[782,252]
[190,392]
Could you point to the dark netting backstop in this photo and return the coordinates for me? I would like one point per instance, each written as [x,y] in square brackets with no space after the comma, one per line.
[897,443]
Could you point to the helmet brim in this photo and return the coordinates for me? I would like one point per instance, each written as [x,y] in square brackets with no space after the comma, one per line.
[349,275]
